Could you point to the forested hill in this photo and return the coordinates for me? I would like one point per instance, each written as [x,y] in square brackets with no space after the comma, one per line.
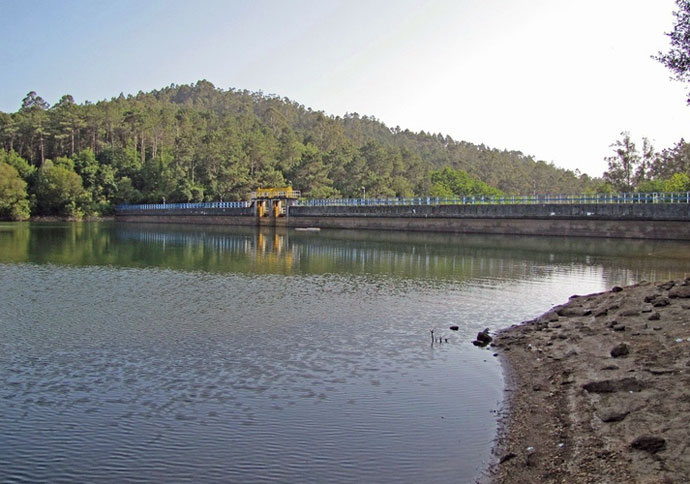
[198,142]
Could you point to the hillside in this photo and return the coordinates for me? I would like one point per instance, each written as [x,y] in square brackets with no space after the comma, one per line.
[198,142]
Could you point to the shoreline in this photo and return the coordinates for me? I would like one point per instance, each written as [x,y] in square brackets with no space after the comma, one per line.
[598,390]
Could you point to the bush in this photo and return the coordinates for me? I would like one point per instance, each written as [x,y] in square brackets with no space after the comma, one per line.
[13,196]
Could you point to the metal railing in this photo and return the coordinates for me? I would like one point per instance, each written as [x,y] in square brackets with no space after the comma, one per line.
[181,206]
[599,198]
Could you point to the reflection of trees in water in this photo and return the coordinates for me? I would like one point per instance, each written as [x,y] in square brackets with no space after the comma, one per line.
[402,254]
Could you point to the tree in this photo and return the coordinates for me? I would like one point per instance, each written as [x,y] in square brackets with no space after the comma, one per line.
[26,171]
[13,197]
[33,113]
[67,121]
[677,59]
[59,191]
[622,164]
[457,183]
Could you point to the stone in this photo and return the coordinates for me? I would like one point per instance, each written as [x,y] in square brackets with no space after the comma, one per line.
[649,443]
[616,289]
[576,311]
[454,328]
[629,313]
[680,292]
[620,350]
[550,317]
[618,327]
[483,338]
[655,316]
[661,371]
[601,312]
[629,384]
[507,457]
[667,285]
[660,302]
[608,415]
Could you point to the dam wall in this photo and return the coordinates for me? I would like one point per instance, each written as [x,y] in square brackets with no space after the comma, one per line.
[619,220]
[188,214]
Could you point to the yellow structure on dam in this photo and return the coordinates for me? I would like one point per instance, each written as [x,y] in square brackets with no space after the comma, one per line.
[271,203]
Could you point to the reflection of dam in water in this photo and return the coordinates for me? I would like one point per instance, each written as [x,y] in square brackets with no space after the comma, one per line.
[432,256]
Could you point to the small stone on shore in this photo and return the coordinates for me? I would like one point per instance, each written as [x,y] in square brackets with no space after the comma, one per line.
[620,350]
[649,443]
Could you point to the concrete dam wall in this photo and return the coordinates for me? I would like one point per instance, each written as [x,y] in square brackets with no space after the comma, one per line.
[632,220]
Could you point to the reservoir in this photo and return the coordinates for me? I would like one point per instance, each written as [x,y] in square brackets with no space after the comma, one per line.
[190,353]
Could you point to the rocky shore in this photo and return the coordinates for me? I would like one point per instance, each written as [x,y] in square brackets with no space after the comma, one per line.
[599,390]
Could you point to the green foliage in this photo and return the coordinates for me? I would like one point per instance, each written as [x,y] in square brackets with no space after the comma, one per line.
[677,59]
[26,171]
[59,191]
[458,183]
[13,197]
[648,171]
[199,143]
[622,164]
[678,183]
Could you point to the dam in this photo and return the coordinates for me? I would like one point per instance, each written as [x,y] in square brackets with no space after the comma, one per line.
[636,216]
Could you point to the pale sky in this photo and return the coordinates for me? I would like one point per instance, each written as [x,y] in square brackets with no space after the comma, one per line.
[556,79]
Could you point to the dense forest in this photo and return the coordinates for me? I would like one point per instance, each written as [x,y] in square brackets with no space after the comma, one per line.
[201,143]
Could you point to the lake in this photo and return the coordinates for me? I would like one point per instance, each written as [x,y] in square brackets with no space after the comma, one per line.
[135,352]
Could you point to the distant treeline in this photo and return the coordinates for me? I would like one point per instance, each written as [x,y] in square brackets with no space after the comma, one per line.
[200,143]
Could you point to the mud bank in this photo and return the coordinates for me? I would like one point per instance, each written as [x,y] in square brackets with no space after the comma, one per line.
[599,390]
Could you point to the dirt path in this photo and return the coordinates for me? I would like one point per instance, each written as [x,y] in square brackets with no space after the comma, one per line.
[599,390]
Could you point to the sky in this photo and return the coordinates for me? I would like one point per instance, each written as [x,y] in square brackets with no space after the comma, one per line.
[555,79]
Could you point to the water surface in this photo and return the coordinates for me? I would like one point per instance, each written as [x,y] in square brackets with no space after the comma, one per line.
[176,353]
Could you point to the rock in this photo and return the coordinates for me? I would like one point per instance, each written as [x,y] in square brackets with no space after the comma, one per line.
[651,297]
[601,312]
[616,289]
[629,313]
[576,311]
[649,443]
[661,371]
[532,458]
[660,302]
[655,316]
[483,338]
[506,457]
[618,327]
[679,292]
[454,328]
[629,384]
[610,367]
[612,414]
[620,350]
[550,317]
[667,285]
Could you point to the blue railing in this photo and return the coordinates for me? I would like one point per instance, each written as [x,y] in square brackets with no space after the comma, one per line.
[605,198]
[601,198]
[178,206]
